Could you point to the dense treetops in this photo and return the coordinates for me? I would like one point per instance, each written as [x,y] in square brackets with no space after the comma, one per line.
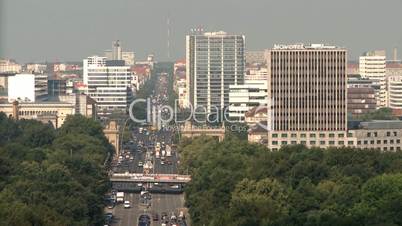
[52,177]
[239,184]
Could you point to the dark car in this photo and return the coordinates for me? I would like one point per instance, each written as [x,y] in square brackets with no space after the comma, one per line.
[144,220]
[155,217]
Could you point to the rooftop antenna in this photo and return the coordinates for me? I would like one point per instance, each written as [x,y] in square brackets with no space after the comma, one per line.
[168,37]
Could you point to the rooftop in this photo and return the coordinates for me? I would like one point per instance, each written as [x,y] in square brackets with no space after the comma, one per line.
[302,46]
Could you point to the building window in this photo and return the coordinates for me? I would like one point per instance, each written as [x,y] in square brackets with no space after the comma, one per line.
[312,135]
[331,135]
[391,148]
[350,134]
[284,135]
[385,142]
[274,135]
[303,135]
[322,142]
[398,141]
[395,133]
[274,142]
[274,149]
[284,142]
[365,142]
[341,135]
[385,149]
[378,141]
[322,135]
[359,142]
[293,142]
[375,134]
[398,148]
[293,135]
[391,141]
[388,134]
[341,142]
[312,142]
[350,142]
[371,141]
[368,134]
[331,142]
[303,142]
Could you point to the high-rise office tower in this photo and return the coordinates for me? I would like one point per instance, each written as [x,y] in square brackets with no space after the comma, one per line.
[108,83]
[214,61]
[306,95]
[372,65]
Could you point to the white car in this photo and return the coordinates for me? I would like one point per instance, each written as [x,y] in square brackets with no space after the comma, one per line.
[140,164]
[127,204]
[139,184]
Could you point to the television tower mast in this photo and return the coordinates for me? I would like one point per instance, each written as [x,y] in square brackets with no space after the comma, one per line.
[168,37]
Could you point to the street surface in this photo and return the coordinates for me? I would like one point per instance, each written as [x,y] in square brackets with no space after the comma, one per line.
[149,151]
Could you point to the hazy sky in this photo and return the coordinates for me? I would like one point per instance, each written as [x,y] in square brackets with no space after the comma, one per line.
[58,30]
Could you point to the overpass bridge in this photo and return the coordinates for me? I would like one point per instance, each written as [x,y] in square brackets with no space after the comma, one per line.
[150,178]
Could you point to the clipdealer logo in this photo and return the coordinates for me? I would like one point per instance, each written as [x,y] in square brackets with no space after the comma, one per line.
[163,115]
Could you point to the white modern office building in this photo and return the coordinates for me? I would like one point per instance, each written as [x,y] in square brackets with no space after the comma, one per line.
[108,83]
[395,91]
[21,88]
[244,97]
[215,60]
[372,65]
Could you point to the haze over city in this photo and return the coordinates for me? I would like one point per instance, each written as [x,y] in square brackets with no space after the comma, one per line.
[49,30]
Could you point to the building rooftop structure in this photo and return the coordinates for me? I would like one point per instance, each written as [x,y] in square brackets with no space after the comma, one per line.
[301,46]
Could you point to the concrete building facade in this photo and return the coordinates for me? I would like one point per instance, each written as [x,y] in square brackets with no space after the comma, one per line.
[109,83]
[306,94]
[372,65]
[214,60]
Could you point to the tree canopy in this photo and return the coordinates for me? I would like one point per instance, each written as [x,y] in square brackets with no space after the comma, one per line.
[52,177]
[241,184]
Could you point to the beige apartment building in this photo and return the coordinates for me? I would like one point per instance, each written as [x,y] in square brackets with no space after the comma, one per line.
[306,95]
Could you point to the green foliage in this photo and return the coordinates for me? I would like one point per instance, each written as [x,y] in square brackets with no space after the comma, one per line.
[52,177]
[380,114]
[241,184]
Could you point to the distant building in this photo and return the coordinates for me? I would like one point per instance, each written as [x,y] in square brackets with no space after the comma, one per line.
[9,66]
[179,71]
[372,65]
[214,60]
[256,115]
[41,89]
[118,54]
[244,97]
[54,112]
[57,87]
[108,83]
[361,96]
[255,57]
[394,91]
[36,68]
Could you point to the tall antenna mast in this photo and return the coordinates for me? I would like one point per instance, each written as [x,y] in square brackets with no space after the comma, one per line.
[168,37]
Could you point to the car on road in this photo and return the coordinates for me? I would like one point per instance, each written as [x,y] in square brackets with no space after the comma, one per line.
[144,220]
[162,162]
[155,217]
[140,164]
[131,158]
[139,184]
[127,204]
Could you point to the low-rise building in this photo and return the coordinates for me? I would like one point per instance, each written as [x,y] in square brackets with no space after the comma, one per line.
[54,111]
[9,66]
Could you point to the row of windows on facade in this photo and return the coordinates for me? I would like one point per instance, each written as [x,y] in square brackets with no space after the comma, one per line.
[311,135]
[26,113]
[322,142]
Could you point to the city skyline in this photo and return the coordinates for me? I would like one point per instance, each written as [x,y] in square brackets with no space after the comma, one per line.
[70,31]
